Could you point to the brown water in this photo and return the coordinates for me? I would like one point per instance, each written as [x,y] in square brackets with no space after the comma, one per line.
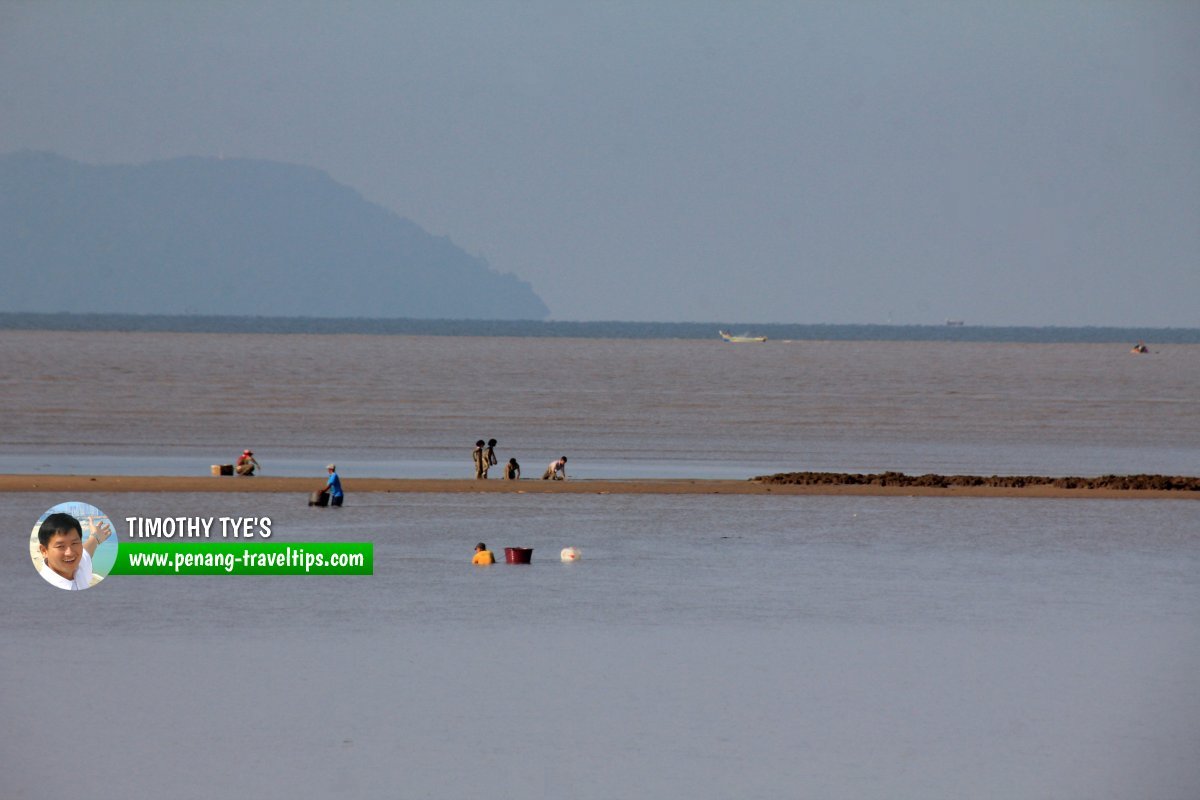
[409,406]
[706,646]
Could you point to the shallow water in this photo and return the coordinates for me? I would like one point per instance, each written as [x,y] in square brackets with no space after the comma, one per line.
[705,646]
[409,406]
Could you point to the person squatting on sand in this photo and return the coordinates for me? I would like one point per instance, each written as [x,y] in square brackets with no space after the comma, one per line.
[67,559]
[557,471]
[512,470]
[483,555]
[246,463]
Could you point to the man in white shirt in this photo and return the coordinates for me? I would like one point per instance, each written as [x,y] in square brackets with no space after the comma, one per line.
[557,471]
[67,559]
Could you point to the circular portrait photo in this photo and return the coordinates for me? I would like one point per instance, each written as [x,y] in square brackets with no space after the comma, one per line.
[73,545]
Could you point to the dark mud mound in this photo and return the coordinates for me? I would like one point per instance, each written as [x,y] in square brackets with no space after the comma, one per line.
[1122,482]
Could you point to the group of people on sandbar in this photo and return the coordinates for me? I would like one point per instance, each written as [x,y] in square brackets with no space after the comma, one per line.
[330,493]
[484,456]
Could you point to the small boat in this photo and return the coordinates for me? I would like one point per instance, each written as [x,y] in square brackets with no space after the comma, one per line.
[729,337]
[955,323]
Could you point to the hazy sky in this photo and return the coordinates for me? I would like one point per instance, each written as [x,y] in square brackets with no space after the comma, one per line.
[1009,163]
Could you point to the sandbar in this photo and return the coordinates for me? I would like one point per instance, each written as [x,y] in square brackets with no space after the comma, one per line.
[75,484]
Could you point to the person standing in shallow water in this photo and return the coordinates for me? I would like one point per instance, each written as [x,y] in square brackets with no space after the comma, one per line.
[483,555]
[480,460]
[489,457]
[334,487]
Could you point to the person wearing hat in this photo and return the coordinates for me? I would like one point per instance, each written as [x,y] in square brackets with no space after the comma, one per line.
[246,463]
[483,555]
[333,486]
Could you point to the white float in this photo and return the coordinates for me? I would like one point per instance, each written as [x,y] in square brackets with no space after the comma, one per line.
[570,554]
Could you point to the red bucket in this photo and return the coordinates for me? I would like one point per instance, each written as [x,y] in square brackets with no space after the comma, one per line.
[518,555]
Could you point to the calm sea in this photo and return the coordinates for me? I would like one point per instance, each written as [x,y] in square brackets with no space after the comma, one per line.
[527,329]
[411,406]
[705,646]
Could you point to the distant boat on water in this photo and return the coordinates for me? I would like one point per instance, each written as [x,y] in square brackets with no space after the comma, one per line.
[729,337]
[954,323]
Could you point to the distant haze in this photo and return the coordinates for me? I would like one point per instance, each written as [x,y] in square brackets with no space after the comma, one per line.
[817,162]
[231,237]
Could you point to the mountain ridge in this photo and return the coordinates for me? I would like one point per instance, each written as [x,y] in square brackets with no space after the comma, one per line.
[200,235]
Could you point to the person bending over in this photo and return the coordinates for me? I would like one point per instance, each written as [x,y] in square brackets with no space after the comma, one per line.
[557,471]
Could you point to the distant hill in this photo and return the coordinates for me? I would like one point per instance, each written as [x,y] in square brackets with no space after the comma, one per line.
[228,236]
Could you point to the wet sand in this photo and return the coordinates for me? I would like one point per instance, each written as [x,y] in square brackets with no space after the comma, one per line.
[75,484]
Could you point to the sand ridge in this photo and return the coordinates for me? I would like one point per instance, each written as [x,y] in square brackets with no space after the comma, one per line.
[75,484]
[1176,483]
